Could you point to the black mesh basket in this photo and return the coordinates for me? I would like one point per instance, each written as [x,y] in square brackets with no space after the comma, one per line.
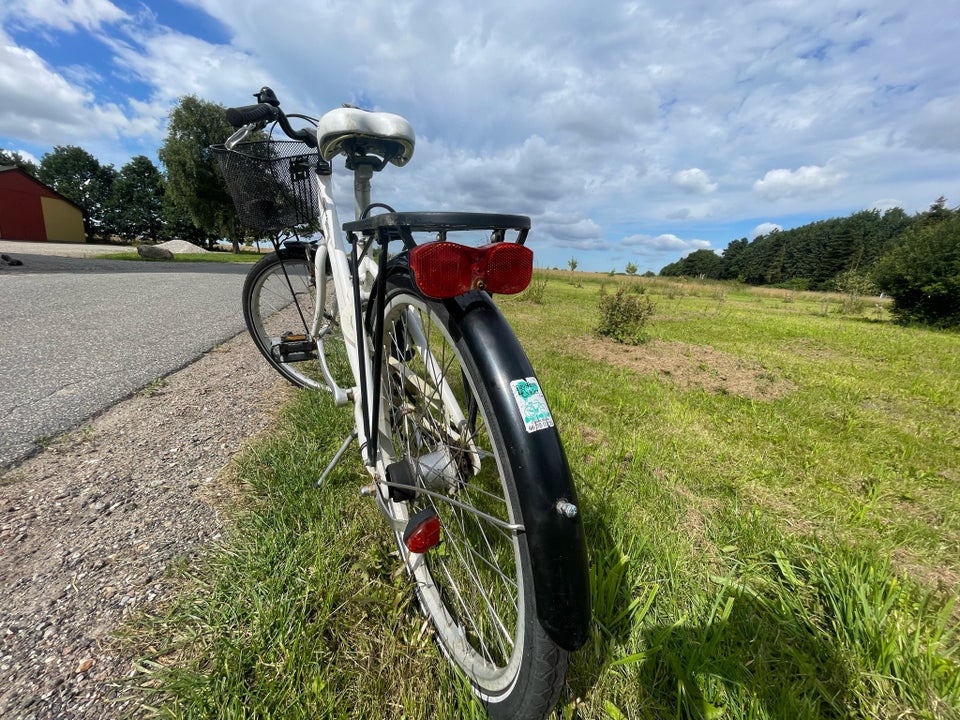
[272,182]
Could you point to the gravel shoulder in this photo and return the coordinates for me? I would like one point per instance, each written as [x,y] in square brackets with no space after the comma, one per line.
[90,525]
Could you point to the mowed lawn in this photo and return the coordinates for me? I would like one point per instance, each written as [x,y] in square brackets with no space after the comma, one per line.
[770,489]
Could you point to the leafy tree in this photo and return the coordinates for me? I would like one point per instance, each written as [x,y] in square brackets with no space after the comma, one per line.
[194,183]
[11,158]
[813,255]
[731,256]
[572,262]
[922,273]
[699,263]
[177,224]
[79,176]
[631,269]
[136,203]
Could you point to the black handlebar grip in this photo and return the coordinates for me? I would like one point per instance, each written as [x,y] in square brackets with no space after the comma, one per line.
[249,114]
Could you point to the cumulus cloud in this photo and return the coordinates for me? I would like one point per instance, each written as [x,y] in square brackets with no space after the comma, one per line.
[34,94]
[804,181]
[764,229]
[64,15]
[551,109]
[664,243]
[694,180]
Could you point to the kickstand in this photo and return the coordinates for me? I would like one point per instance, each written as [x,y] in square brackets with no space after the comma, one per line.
[336,458]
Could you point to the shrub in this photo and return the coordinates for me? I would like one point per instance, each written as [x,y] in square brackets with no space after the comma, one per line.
[536,289]
[624,316]
[922,274]
[854,287]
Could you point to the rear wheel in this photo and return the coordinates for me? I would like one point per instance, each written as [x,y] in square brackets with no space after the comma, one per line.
[279,297]
[476,584]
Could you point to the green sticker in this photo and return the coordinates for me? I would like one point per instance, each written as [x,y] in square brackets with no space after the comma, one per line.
[532,404]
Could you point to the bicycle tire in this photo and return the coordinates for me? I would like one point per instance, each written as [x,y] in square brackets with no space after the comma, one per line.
[279,297]
[476,586]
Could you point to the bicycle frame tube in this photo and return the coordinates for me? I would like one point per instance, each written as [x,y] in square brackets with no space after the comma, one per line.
[340,396]
[336,251]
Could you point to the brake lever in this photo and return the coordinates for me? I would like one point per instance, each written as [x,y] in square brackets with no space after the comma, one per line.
[239,135]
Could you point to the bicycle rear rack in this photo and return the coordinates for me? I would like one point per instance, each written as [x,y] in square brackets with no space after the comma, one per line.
[383,229]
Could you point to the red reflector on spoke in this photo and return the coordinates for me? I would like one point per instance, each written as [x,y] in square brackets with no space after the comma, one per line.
[445,269]
[423,531]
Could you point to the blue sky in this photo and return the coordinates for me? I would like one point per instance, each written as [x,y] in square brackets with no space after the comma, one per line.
[629,131]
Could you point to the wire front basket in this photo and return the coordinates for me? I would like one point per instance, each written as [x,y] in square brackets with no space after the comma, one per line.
[272,183]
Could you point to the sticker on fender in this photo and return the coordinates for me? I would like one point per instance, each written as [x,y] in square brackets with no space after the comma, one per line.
[532,404]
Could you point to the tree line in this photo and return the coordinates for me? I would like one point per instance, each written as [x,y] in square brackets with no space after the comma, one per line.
[914,259]
[187,199]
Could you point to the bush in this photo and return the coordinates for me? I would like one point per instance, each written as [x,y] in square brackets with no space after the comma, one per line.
[624,316]
[853,286]
[922,274]
[536,289]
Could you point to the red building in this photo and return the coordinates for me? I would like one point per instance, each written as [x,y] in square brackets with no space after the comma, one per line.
[29,210]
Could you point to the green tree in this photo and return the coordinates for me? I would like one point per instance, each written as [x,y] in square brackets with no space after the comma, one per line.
[79,176]
[136,203]
[699,263]
[195,185]
[922,273]
[731,259]
[631,269]
[177,224]
[11,158]
[572,262]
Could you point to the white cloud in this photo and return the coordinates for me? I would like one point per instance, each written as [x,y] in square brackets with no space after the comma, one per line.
[598,121]
[694,180]
[33,93]
[666,242]
[804,181]
[937,125]
[765,229]
[63,14]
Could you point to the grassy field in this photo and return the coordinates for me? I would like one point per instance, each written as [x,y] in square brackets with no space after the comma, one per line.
[770,489]
[216,257]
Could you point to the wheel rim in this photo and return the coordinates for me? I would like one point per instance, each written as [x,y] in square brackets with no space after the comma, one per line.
[275,311]
[471,584]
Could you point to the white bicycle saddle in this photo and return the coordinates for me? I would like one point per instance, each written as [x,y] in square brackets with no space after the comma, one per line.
[381,133]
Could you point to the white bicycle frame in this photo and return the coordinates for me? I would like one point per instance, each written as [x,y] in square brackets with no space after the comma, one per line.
[336,250]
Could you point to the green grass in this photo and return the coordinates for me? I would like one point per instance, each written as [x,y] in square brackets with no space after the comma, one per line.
[214,257]
[788,547]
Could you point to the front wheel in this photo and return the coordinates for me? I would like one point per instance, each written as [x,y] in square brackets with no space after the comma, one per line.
[476,585]
[279,300]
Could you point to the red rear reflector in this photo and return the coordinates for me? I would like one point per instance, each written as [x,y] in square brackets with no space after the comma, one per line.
[446,269]
[423,531]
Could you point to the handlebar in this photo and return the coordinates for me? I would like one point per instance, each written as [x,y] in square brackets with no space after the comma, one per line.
[252,114]
[246,117]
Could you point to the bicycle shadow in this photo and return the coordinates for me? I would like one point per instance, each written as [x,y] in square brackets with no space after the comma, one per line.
[613,605]
[756,657]
[752,654]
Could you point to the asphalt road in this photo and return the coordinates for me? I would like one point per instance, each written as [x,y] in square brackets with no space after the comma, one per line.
[78,334]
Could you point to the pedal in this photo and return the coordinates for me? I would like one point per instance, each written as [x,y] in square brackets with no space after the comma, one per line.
[295,347]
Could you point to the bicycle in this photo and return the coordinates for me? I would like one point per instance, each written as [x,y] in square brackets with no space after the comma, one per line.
[452,425]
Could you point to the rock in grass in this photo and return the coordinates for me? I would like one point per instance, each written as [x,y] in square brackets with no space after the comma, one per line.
[152,252]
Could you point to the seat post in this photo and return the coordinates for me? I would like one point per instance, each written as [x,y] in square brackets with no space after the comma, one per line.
[362,173]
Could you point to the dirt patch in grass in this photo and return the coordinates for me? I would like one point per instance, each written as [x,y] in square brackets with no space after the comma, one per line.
[694,367]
